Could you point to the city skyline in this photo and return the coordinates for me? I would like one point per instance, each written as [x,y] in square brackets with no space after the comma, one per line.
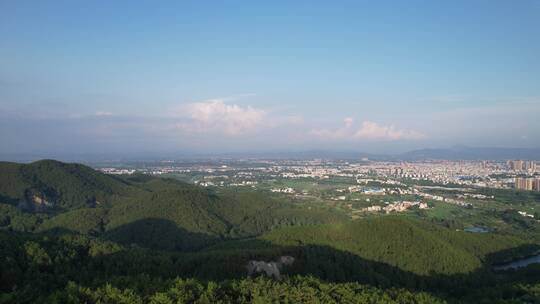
[229,77]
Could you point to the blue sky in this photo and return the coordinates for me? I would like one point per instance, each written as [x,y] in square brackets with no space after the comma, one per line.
[215,76]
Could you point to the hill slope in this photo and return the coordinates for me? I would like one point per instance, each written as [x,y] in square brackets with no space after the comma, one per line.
[147,211]
[60,186]
[471,153]
[412,246]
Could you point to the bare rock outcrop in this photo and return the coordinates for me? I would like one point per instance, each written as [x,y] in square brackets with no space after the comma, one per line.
[270,269]
[34,201]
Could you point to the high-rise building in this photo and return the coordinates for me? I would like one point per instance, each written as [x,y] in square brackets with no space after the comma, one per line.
[530,165]
[524,183]
[521,165]
[536,184]
[515,164]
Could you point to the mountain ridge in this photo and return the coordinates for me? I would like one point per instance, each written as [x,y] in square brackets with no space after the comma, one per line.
[452,153]
[83,200]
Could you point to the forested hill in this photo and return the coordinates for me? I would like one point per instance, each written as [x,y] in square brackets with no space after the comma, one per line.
[59,186]
[384,260]
[148,211]
[410,245]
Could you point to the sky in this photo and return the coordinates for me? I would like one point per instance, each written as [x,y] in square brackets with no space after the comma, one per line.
[239,76]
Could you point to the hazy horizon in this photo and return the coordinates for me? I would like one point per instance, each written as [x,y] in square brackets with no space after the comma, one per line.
[189,77]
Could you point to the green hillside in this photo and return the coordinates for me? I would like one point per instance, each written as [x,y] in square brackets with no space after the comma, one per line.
[71,269]
[147,211]
[80,269]
[409,245]
[65,186]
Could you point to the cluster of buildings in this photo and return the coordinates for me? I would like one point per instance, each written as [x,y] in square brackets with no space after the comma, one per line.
[366,190]
[117,171]
[476,196]
[471,173]
[245,183]
[443,199]
[492,174]
[525,214]
[399,206]
[527,183]
[521,165]
[525,167]
[283,190]
[205,184]
[452,182]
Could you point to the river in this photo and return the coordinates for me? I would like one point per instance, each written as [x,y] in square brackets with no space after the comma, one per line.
[519,263]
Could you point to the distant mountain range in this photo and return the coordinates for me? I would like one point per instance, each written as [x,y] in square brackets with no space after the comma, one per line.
[472,153]
[453,153]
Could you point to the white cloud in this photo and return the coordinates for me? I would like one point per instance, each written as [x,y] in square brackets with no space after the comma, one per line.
[368,130]
[348,122]
[103,113]
[215,116]
[372,130]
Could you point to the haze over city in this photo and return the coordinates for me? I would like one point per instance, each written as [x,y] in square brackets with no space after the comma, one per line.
[381,77]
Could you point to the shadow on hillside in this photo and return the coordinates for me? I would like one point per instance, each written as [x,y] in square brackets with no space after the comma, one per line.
[512,254]
[8,200]
[159,234]
[322,262]
[229,262]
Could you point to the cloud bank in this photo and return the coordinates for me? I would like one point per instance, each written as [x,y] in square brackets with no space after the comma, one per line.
[227,123]
[215,116]
[368,130]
